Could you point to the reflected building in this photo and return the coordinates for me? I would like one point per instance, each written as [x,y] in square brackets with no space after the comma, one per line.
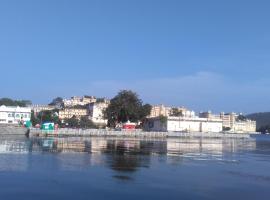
[13,146]
[209,146]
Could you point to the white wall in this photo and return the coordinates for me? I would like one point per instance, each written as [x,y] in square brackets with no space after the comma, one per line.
[13,115]
[211,127]
[185,124]
[96,112]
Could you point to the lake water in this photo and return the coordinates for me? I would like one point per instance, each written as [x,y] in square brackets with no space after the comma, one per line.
[99,168]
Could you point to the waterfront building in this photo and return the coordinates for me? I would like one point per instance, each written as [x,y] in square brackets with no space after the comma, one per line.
[232,122]
[68,113]
[82,101]
[245,126]
[96,112]
[14,115]
[183,124]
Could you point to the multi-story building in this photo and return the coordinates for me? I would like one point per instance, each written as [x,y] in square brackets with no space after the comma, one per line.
[39,108]
[68,113]
[82,101]
[160,110]
[96,112]
[14,115]
[231,122]
[245,126]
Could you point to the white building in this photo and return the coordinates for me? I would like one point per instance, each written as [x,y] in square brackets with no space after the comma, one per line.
[247,126]
[96,112]
[159,110]
[82,101]
[14,115]
[184,124]
[231,121]
[39,108]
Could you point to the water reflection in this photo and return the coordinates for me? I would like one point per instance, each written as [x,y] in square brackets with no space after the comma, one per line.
[127,146]
[125,154]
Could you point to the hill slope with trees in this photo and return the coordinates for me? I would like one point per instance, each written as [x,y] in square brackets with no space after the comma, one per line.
[262,119]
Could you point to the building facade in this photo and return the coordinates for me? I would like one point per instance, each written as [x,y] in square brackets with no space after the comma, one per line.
[39,108]
[14,115]
[160,110]
[231,122]
[68,113]
[96,112]
[184,124]
[82,101]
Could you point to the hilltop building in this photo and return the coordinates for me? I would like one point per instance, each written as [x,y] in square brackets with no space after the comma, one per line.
[14,115]
[162,110]
[39,108]
[68,113]
[82,101]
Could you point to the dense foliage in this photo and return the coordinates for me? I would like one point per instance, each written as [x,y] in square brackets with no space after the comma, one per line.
[10,102]
[58,102]
[45,116]
[72,122]
[85,122]
[125,106]
[176,112]
[262,119]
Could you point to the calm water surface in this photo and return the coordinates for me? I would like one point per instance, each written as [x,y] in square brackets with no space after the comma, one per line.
[109,168]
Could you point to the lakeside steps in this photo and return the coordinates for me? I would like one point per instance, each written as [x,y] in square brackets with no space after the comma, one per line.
[130,133]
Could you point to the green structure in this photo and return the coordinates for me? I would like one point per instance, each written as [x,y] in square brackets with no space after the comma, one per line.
[47,126]
[28,124]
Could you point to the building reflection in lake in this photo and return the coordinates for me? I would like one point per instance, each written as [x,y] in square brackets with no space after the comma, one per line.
[127,154]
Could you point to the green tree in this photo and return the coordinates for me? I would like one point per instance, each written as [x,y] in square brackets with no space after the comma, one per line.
[100,100]
[85,122]
[163,119]
[125,106]
[34,119]
[73,122]
[58,102]
[49,116]
[144,112]
[176,112]
[10,102]
[241,118]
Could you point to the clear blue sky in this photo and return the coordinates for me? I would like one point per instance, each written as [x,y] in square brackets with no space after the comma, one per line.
[206,55]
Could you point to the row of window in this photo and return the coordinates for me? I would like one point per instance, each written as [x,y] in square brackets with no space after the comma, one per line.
[19,115]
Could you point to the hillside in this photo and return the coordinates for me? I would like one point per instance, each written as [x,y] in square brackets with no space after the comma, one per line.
[262,119]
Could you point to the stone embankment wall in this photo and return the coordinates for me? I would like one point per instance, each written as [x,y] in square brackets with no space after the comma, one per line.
[137,133]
